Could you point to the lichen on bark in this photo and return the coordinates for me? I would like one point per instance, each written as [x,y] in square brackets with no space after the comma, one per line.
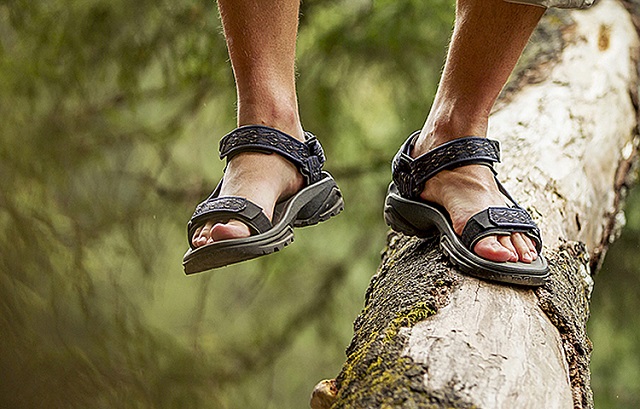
[415,280]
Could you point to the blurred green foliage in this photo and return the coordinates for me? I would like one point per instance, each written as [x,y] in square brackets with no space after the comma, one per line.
[614,326]
[111,113]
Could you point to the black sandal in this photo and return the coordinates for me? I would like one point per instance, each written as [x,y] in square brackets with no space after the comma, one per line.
[405,212]
[319,200]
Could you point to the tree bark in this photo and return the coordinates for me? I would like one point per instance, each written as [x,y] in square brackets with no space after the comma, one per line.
[429,337]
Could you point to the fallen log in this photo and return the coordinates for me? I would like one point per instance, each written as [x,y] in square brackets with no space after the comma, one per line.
[430,337]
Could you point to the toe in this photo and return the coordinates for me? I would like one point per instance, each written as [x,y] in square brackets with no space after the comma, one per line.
[195,236]
[522,247]
[231,230]
[506,242]
[532,247]
[491,249]
[202,235]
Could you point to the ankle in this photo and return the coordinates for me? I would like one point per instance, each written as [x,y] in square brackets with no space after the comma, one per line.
[281,115]
[448,123]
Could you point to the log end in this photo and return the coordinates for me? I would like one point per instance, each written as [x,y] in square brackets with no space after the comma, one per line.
[324,394]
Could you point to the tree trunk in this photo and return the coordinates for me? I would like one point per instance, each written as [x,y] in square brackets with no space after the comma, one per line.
[429,337]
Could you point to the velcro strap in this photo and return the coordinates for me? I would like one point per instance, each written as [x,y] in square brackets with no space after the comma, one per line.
[500,221]
[223,209]
[307,156]
[411,174]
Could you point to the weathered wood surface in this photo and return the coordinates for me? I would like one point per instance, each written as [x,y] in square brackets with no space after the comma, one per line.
[430,337]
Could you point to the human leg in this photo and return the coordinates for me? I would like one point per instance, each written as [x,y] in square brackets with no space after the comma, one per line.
[274,180]
[488,39]
[261,38]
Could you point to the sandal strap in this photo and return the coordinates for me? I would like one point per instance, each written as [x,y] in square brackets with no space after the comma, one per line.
[500,221]
[410,175]
[223,209]
[307,156]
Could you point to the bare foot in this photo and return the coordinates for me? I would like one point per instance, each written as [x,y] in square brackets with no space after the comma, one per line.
[467,190]
[264,179]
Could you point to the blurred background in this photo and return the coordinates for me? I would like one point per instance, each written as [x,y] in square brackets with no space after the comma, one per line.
[110,115]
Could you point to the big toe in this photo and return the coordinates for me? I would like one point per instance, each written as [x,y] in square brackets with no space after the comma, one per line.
[211,232]
[231,230]
[491,249]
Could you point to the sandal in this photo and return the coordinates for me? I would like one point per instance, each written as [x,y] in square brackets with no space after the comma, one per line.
[407,213]
[319,200]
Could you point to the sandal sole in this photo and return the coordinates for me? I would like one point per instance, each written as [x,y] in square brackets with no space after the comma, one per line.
[422,220]
[312,205]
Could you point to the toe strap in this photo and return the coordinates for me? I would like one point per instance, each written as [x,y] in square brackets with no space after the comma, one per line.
[500,221]
[223,209]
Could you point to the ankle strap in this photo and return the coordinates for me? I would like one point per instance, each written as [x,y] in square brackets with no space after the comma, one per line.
[307,156]
[410,174]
